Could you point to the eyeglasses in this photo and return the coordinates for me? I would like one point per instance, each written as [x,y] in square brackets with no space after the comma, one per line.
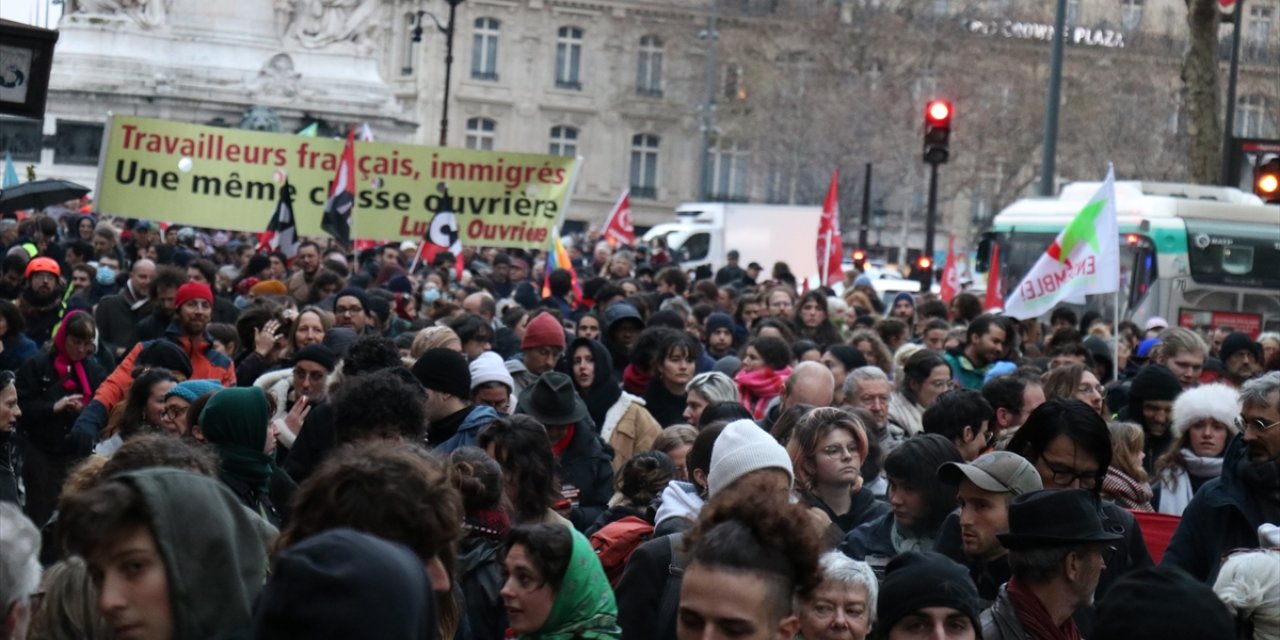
[1256,423]
[1065,476]
[347,311]
[838,450]
[1107,553]
[314,376]
[173,412]
[549,352]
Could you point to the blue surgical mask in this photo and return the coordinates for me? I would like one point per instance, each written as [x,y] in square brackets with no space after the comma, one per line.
[430,295]
[106,275]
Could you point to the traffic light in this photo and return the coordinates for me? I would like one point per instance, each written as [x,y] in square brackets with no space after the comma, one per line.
[1266,181]
[860,259]
[937,131]
[923,272]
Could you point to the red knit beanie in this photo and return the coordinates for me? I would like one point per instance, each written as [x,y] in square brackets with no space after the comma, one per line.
[543,331]
[193,291]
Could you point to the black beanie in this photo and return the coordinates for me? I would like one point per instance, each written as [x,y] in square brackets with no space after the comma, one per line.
[918,580]
[1160,603]
[1237,342]
[162,353]
[445,370]
[318,354]
[1153,382]
[358,294]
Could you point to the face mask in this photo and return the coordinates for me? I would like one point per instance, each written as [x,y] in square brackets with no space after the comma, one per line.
[106,275]
[430,295]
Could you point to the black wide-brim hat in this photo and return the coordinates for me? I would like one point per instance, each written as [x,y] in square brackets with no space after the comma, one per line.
[1055,518]
[552,401]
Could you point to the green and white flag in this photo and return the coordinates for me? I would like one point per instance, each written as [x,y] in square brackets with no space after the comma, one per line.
[1084,259]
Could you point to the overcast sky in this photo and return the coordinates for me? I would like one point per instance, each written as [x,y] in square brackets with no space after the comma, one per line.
[37,12]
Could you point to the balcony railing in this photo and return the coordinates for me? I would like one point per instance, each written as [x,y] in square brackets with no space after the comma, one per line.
[571,85]
[488,76]
[648,193]
[649,92]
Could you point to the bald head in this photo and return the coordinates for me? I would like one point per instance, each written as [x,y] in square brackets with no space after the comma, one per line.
[141,275]
[480,304]
[810,383]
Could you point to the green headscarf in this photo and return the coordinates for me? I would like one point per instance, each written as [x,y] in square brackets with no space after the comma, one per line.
[235,421]
[584,606]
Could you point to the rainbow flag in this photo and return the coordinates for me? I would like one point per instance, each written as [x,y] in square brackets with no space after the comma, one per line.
[558,258]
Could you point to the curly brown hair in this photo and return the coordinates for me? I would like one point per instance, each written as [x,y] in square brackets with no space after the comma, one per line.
[752,527]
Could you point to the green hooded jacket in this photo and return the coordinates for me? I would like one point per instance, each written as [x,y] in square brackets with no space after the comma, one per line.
[214,555]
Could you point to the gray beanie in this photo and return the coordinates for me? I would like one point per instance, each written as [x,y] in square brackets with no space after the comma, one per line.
[741,448]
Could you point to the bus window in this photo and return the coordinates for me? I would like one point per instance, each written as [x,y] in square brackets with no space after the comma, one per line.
[1233,253]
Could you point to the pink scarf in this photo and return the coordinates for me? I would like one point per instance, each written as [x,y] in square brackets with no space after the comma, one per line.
[756,388]
[63,365]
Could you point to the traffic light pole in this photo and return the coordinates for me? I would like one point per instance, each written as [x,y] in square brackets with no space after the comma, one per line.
[866,210]
[931,214]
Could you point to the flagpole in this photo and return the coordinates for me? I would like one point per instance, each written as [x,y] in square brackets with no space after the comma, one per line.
[1115,337]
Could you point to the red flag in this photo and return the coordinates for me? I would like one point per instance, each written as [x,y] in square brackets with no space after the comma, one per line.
[995,295]
[950,277]
[830,249]
[617,227]
[342,195]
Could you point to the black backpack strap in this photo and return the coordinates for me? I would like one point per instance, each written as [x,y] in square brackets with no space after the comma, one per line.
[669,604]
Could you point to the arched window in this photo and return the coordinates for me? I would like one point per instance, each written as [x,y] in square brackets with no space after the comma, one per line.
[649,67]
[480,133]
[484,49]
[564,141]
[569,58]
[644,165]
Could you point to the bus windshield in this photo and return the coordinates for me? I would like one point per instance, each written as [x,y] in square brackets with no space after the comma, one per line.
[1234,253]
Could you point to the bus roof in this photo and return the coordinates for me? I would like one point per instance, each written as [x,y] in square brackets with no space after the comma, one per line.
[1144,200]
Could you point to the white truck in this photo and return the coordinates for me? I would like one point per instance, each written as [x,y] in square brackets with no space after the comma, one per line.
[704,232]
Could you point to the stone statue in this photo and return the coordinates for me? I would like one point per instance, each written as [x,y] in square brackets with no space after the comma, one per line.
[278,79]
[319,23]
[149,14]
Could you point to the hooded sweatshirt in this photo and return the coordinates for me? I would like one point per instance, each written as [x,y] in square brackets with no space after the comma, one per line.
[346,584]
[214,557]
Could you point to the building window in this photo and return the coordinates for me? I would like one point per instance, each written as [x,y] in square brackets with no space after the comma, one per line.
[480,133]
[729,171]
[941,7]
[406,44]
[1073,13]
[77,143]
[564,141]
[649,67]
[484,50]
[569,58]
[1253,119]
[1130,14]
[23,138]
[1260,19]
[644,165]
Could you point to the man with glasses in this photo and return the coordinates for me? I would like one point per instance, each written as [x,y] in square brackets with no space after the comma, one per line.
[1058,549]
[1227,512]
[351,310]
[964,417]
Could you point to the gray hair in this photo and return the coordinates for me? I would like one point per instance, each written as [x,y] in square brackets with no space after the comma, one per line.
[19,556]
[848,573]
[714,386]
[1249,584]
[1039,566]
[869,373]
[678,305]
[1257,391]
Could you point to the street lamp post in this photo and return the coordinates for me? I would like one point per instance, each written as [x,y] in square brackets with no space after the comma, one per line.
[447,29]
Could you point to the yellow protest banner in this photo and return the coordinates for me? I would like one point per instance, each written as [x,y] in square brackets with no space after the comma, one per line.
[231,178]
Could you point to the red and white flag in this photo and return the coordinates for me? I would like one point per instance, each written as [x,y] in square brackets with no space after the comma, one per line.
[442,235]
[830,248]
[950,274]
[338,209]
[617,227]
[995,288]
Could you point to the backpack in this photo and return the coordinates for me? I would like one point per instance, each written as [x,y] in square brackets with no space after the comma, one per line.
[615,542]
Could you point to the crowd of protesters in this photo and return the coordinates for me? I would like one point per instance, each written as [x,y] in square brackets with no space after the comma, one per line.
[201,438]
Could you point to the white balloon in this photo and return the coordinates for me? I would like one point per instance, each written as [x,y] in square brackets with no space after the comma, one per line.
[184,165]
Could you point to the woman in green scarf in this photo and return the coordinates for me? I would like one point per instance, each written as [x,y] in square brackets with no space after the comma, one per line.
[555,588]
[236,422]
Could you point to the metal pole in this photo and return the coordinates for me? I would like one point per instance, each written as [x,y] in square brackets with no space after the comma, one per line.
[866,210]
[1047,163]
[448,73]
[709,107]
[1228,128]
[931,214]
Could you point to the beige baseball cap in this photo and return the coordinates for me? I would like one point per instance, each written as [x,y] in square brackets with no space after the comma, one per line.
[997,472]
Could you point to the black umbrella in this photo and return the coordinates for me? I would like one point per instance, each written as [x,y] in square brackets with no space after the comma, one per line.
[39,194]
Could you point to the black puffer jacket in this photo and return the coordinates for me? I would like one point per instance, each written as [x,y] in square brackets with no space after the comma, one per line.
[39,388]
[586,466]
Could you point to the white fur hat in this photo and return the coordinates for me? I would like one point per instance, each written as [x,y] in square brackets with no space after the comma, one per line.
[1216,401]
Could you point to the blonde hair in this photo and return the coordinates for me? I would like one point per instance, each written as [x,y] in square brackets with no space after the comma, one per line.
[433,337]
[1126,449]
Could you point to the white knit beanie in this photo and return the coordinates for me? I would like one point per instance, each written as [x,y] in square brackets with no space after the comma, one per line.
[489,368]
[741,448]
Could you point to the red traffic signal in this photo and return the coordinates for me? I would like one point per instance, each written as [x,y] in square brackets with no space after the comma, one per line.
[1266,181]
[924,263]
[859,255]
[937,131]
